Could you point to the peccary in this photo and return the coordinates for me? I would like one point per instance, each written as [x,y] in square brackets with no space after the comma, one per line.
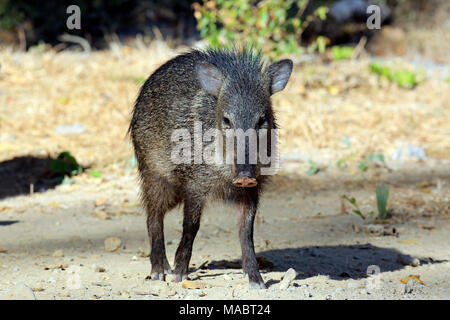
[222,89]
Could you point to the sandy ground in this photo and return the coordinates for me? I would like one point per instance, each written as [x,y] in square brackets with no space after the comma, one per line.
[53,243]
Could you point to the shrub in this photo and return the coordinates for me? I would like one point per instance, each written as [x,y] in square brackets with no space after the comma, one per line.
[272,26]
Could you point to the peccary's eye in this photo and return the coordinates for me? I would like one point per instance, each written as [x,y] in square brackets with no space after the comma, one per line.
[226,121]
[262,121]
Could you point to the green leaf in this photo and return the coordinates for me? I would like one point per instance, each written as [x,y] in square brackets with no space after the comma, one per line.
[363,166]
[95,173]
[382,194]
[65,164]
[359,213]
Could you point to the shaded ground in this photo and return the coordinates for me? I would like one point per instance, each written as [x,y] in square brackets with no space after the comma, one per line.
[302,224]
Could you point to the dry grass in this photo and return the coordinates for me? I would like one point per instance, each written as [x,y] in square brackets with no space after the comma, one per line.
[41,90]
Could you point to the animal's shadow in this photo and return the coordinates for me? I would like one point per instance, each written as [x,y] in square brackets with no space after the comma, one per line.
[18,174]
[7,223]
[338,262]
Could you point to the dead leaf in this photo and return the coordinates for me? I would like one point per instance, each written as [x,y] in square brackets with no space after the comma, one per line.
[186,284]
[424,184]
[102,215]
[413,277]
[4,208]
[426,227]
[410,241]
[3,251]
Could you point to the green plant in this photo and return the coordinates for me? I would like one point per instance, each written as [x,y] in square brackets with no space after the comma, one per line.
[95,173]
[341,53]
[139,80]
[382,192]
[315,167]
[272,26]
[342,162]
[403,78]
[356,209]
[371,159]
[65,164]
[10,16]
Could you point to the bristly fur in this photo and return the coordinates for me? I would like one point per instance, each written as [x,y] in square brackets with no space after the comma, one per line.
[175,97]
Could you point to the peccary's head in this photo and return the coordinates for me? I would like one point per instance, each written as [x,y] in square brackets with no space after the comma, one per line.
[242,87]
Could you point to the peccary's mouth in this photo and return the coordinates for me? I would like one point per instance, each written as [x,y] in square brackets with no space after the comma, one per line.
[244,180]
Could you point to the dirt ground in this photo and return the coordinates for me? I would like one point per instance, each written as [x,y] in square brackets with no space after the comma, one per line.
[86,238]
[53,243]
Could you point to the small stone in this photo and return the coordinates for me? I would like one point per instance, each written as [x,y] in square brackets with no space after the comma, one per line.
[415,262]
[113,244]
[100,269]
[289,276]
[408,261]
[19,292]
[134,258]
[58,254]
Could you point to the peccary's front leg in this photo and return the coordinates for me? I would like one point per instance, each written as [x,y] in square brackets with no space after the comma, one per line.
[191,224]
[158,259]
[249,264]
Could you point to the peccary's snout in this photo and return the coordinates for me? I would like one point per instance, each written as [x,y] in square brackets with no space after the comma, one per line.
[244,180]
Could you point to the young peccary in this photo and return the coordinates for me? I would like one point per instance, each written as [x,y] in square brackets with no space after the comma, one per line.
[221,89]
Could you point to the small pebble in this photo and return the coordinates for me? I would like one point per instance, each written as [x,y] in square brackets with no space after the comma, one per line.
[112,244]
[100,269]
[288,277]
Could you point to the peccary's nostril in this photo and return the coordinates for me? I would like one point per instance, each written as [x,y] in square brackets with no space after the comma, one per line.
[244,180]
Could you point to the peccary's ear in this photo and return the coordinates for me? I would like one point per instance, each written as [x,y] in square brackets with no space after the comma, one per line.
[210,77]
[278,74]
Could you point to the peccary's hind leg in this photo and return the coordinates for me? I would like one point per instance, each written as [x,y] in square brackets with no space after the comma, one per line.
[191,224]
[159,197]
[247,212]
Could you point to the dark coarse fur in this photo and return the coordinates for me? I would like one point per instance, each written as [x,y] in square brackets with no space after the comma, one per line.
[173,98]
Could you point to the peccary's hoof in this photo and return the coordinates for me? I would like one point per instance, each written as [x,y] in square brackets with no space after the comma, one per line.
[158,276]
[179,277]
[257,285]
